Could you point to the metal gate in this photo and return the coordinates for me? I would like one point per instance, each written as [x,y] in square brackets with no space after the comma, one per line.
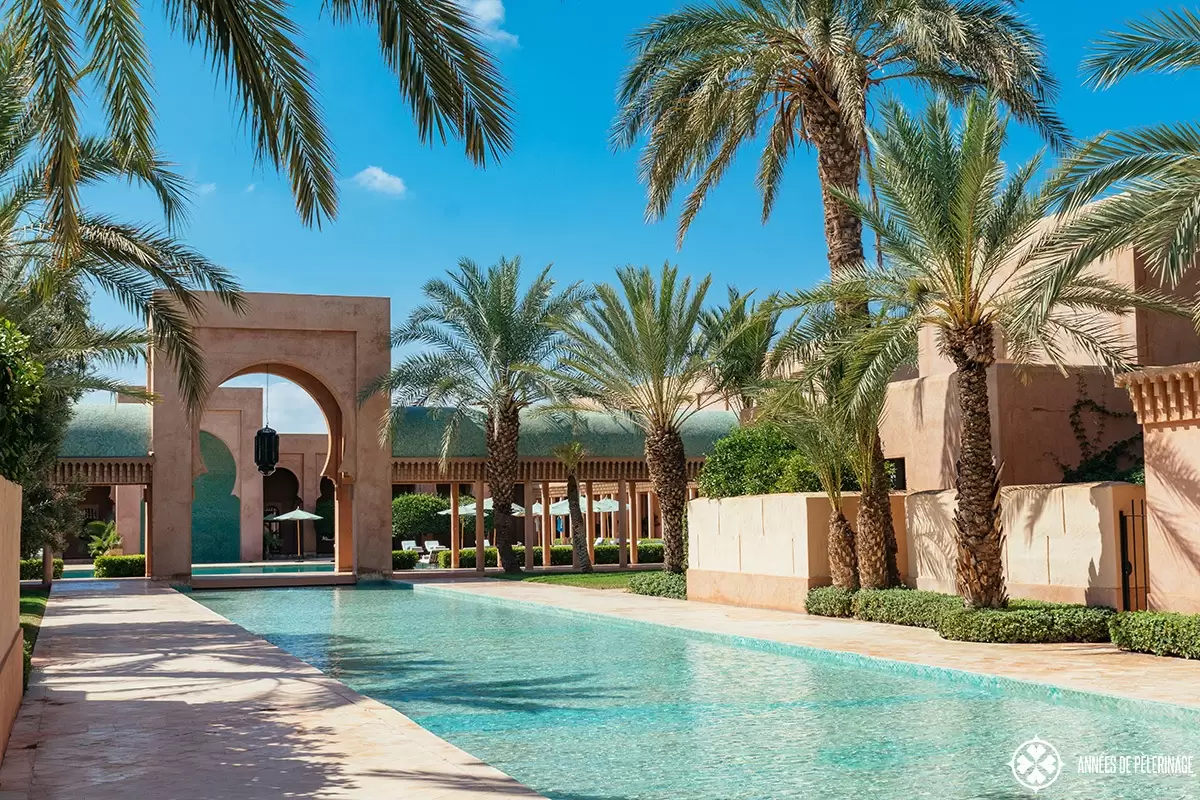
[1135,572]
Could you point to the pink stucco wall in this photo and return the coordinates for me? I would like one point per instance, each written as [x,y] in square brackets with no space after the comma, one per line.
[1173,515]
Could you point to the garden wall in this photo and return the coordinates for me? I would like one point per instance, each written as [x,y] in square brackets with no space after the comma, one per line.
[11,640]
[766,551]
[1061,542]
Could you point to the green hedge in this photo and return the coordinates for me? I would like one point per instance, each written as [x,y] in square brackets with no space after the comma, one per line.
[415,516]
[1026,621]
[120,566]
[912,607]
[405,559]
[829,601]
[560,555]
[1157,632]
[659,584]
[31,569]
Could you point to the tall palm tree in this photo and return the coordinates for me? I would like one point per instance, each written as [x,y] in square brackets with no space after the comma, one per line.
[966,248]
[571,455]
[490,341]
[130,262]
[1150,174]
[809,410]
[744,334]
[640,350]
[710,78]
[434,47]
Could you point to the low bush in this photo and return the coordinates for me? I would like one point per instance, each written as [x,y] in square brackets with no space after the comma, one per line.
[1072,622]
[829,601]
[912,607]
[1027,621]
[1157,632]
[120,566]
[560,555]
[659,584]
[31,569]
[405,559]
[415,516]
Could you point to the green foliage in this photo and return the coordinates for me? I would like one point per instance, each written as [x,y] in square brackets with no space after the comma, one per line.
[405,559]
[33,607]
[1027,621]
[911,607]
[132,566]
[829,601]
[560,555]
[659,584]
[31,569]
[756,459]
[416,515]
[101,537]
[1160,633]
[325,510]
[1119,461]
[20,375]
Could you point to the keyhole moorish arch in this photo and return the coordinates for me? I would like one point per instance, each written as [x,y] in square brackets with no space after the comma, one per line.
[329,347]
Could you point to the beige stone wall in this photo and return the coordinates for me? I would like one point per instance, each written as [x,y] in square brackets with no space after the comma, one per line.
[766,551]
[1062,542]
[11,640]
[1173,516]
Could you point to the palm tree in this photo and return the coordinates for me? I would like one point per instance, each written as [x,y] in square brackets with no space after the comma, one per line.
[1150,173]
[490,342]
[744,334]
[965,246]
[571,455]
[133,263]
[808,409]
[434,47]
[710,78]
[640,350]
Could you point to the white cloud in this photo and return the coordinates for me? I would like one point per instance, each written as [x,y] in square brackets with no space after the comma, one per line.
[206,188]
[374,179]
[251,188]
[490,16]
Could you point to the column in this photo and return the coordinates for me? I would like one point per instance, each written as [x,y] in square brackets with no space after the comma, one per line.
[655,512]
[455,529]
[149,529]
[530,532]
[622,514]
[636,511]
[547,524]
[480,554]
[343,532]
[128,513]
[589,525]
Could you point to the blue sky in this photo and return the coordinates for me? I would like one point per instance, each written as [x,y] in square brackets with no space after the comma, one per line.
[410,212]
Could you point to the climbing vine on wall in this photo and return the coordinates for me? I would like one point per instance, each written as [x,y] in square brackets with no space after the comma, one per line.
[1121,460]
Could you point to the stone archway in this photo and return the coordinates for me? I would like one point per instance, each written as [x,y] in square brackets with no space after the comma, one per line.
[329,346]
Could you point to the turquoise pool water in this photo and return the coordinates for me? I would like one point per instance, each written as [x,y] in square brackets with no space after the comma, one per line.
[85,570]
[582,708]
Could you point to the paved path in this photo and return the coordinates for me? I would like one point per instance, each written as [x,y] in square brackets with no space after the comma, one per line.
[139,692]
[1085,667]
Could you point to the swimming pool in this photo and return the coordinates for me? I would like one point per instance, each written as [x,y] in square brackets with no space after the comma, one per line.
[86,571]
[583,708]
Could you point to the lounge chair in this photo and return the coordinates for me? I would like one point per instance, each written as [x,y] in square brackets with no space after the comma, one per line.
[434,546]
[599,541]
[409,544]
[486,544]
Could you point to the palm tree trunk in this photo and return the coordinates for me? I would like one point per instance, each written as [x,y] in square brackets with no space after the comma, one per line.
[503,431]
[876,539]
[578,532]
[839,161]
[843,568]
[889,529]
[980,565]
[668,476]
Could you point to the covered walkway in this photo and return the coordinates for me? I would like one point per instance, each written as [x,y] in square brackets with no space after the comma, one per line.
[140,692]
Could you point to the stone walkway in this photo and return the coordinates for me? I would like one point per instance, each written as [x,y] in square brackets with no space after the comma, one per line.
[1098,668]
[139,692]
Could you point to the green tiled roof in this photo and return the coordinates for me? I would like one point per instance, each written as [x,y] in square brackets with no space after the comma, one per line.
[120,430]
[419,434]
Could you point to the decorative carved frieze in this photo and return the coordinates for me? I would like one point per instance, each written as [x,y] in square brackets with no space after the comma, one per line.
[1164,394]
[104,471]
[467,470]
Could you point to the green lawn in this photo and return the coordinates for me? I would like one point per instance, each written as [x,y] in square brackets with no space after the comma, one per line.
[596,580]
[33,606]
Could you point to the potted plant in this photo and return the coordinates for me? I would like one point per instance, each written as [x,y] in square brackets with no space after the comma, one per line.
[103,539]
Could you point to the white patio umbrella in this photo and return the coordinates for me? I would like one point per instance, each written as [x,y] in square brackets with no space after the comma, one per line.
[562,508]
[469,508]
[297,516]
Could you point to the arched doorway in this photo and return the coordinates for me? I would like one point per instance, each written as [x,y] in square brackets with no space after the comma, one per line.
[216,511]
[329,346]
[281,494]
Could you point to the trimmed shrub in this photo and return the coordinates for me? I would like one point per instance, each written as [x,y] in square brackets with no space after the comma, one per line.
[659,584]
[31,569]
[405,559]
[1072,622]
[1027,621]
[1158,632]
[416,515]
[560,555]
[829,601]
[120,566]
[912,607]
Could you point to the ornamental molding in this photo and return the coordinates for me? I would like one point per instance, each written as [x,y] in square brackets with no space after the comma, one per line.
[1164,395]
[469,470]
[104,471]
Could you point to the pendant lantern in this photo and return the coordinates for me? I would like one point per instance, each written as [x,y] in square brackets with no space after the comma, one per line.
[266,441]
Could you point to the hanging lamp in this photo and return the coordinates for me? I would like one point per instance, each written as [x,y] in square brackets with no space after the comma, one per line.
[266,441]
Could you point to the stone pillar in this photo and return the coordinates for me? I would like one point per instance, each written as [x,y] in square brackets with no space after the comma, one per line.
[589,524]
[547,524]
[343,531]
[149,529]
[623,523]
[480,529]
[455,530]
[636,511]
[128,514]
[530,532]
[170,516]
